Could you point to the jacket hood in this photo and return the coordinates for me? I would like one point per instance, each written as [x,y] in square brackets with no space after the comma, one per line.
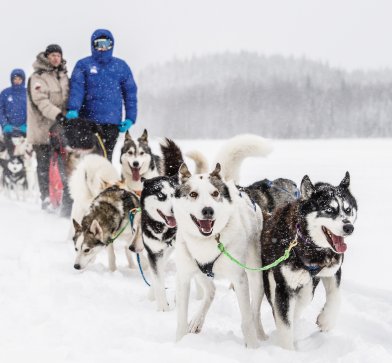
[20,73]
[42,64]
[102,57]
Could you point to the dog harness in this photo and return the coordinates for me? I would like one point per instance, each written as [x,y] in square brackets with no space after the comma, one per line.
[207,267]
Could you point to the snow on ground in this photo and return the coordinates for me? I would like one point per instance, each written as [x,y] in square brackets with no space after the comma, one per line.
[50,312]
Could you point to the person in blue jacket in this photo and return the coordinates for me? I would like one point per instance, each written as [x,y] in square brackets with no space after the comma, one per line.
[100,86]
[13,108]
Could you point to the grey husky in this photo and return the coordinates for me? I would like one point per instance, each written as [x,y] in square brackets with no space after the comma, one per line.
[109,215]
[316,225]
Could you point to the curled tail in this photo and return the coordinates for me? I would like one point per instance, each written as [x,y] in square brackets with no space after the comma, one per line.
[172,158]
[236,149]
[200,161]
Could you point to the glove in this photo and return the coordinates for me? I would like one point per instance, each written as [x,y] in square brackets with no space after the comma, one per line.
[7,129]
[125,125]
[61,119]
[72,114]
[23,128]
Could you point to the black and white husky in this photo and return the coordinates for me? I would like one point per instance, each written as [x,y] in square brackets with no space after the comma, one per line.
[109,213]
[319,222]
[14,177]
[138,161]
[207,208]
[159,225]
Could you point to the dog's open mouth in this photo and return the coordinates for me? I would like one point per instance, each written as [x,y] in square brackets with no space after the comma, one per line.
[337,242]
[135,173]
[169,220]
[205,225]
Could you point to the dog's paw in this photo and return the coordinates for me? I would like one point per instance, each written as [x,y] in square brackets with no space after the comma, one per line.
[163,307]
[325,322]
[196,324]
[261,335]
[252,344]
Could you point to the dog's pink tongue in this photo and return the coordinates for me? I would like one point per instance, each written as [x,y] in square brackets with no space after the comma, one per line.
[171,221]
[135,174]
[338,243]
[206,225]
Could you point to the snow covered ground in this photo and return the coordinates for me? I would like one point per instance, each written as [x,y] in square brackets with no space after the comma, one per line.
[50,312]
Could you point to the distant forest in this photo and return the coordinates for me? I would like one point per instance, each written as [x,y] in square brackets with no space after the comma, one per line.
[222,95]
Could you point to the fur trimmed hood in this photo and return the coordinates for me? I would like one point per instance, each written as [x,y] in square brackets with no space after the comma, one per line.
[42,64]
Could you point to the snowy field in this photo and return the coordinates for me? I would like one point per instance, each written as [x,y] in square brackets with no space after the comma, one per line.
[50,312]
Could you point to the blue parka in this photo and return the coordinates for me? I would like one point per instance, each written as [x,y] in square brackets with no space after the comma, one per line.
[100,84]
[13,102]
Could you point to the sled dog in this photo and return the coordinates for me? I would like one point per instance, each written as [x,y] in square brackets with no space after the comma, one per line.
[207,208]
[138,161]
[319,223]
[109,214]
[14,177]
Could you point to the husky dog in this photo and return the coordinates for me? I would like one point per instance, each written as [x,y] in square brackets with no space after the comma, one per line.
[138,161]
[30,163]
[14,177]
[159,226]
[90,178]
[3,157]
[108,216]
[207,209]
[270,195]
[319,222]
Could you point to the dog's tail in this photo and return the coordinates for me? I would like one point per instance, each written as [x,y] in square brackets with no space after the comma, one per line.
[236,149]
[200,161]
[172,158]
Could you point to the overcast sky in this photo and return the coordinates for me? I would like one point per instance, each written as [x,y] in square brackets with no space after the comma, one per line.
[349,34]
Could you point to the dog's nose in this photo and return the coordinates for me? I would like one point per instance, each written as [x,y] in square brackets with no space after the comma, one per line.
[135,164]
[348,228]
[207,212]
[77,266]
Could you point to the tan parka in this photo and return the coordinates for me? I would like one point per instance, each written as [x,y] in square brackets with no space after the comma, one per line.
[48,90]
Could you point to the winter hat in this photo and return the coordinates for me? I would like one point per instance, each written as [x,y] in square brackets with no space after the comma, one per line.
[53,48]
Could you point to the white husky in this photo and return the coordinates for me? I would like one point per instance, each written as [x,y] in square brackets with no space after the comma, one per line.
[208,208]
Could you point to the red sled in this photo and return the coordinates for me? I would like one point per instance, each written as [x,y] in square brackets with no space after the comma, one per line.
[55,183]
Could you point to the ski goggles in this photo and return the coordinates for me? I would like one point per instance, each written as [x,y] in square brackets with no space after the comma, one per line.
[103,44]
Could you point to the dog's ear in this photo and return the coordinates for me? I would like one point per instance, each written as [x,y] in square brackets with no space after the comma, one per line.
[77,226]
[128,136]
[184,173]
[345,183]
[307,188]
[216,171]
[96,230]
[144,137]
[105,185]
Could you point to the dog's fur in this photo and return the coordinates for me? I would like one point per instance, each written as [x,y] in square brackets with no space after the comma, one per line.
[138,162]
[30,163]
[91,176]
[319,221]
[14,177]
[205,207]
[108,214]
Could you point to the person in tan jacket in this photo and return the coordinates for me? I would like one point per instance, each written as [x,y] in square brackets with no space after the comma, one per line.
[48,89]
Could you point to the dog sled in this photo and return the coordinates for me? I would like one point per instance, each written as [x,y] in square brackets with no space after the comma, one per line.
[70,140]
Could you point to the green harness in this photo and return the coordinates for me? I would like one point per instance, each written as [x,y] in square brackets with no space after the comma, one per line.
[285,256]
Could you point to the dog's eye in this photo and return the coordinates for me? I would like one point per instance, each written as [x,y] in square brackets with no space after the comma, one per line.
[329,210]
[160,196]
[141,153]
[193,195]
[130,153]
[76,249]
[215,194]
[348,210]
[87,250]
